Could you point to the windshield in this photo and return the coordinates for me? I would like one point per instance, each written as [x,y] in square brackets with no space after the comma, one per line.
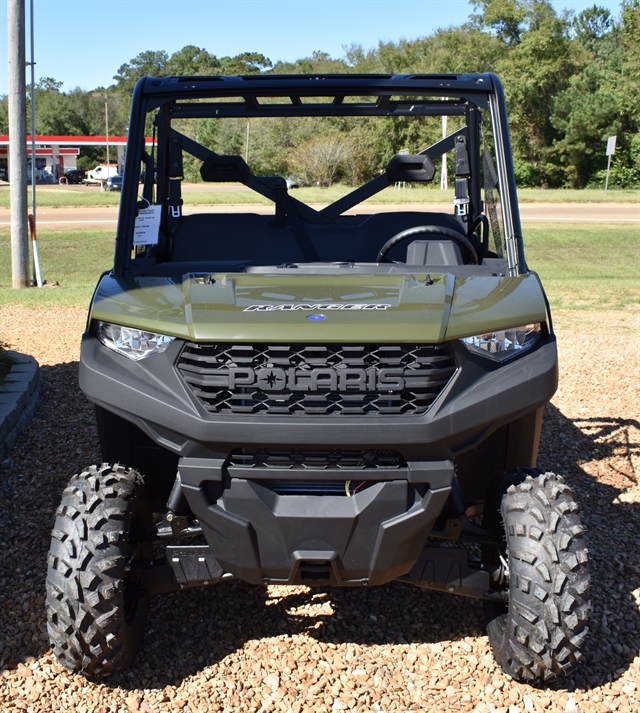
[362,179]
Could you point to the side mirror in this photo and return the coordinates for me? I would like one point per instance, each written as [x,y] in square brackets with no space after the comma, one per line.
[223,169]
[410,168]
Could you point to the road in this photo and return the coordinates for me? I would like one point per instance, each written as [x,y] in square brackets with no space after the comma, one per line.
[622,213]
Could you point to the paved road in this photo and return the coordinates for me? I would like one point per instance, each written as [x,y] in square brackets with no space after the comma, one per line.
[530,212]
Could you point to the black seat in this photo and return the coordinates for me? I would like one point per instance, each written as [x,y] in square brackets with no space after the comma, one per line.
[232,236]
[251,237]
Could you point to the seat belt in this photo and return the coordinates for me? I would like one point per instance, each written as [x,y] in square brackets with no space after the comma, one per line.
[462,173]
[176,175]
[147,186]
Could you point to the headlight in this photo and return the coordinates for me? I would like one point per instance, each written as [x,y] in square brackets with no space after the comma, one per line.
[504,344]
[133,343]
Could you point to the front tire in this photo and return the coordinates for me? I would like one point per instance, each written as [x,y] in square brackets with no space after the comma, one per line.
[538,635]
[96,603]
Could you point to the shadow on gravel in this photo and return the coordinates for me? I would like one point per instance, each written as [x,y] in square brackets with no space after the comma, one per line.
[190,630]
[613,533]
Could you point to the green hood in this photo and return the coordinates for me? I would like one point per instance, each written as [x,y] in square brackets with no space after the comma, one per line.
[356,308]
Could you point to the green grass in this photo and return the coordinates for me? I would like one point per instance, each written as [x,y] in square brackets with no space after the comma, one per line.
[65,196]
[582,267]
[73,258]
[586,268]
[584,195]
[201,194]
[433,194]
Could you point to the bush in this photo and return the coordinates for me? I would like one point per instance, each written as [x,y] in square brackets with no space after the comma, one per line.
[527,175]
[620,176]
[320,160]
[6,361]
[625,167]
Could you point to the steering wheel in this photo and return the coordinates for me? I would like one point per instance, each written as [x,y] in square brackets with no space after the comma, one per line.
[428,230]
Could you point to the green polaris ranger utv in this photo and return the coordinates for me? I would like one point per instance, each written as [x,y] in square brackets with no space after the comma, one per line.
[340,395]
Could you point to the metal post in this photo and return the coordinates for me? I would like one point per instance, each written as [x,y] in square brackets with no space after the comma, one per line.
[18,143]
[33,116]
[106,124]
[611,149]
[443,174]
[36,273]
[606,182]
[246,152]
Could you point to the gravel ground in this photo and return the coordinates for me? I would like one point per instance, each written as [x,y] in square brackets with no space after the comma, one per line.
[242,648]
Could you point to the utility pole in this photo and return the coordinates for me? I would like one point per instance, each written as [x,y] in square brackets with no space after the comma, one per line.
[37,274]
[18,143]
[106,122]
[106,127]
[32,64]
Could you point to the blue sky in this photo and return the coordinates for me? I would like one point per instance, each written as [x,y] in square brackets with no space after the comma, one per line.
[83,42]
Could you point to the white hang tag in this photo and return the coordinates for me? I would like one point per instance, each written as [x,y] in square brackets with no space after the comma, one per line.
[147,226]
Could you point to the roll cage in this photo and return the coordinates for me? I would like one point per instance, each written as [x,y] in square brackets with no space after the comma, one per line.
[176,98]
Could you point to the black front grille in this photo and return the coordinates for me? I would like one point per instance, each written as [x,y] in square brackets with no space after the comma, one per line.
[318,488]
[315,380]
[326,459]
[301,487]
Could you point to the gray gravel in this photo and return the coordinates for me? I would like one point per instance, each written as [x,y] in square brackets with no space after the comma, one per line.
[243,648]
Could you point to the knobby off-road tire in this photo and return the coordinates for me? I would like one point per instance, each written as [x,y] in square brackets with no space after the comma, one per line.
[96,606]
[538,635]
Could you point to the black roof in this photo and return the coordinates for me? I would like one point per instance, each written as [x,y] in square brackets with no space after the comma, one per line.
[342,94]
[314,83]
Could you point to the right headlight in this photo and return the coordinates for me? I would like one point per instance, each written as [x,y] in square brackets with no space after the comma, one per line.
[504,344]
[135,344]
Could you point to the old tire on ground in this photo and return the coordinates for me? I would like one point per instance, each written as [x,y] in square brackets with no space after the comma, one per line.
[539,633]
[96,606]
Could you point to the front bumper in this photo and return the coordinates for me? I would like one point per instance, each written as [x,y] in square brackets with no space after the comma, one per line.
[372,537]
[262,537]
[481,397]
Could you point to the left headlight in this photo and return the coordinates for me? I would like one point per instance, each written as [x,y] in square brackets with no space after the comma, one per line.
[133,343]
[504,344]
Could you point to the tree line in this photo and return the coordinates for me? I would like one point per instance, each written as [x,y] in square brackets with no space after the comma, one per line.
[571,80]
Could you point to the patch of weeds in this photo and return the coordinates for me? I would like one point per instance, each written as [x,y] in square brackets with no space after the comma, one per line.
[6,361]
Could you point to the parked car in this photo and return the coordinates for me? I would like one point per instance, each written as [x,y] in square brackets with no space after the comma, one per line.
[293,182]
[113,183]
[77,175]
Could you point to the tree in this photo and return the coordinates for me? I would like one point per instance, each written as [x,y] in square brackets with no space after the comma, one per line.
[271,141]
[318,63]
[245,63]
[570,81]
[506,18]
[4,115]
[601,100]
[592,26]
[149,63]
[192,60]
[631,62]
[319,160]
[585,113]
[49,84]
[536,67]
